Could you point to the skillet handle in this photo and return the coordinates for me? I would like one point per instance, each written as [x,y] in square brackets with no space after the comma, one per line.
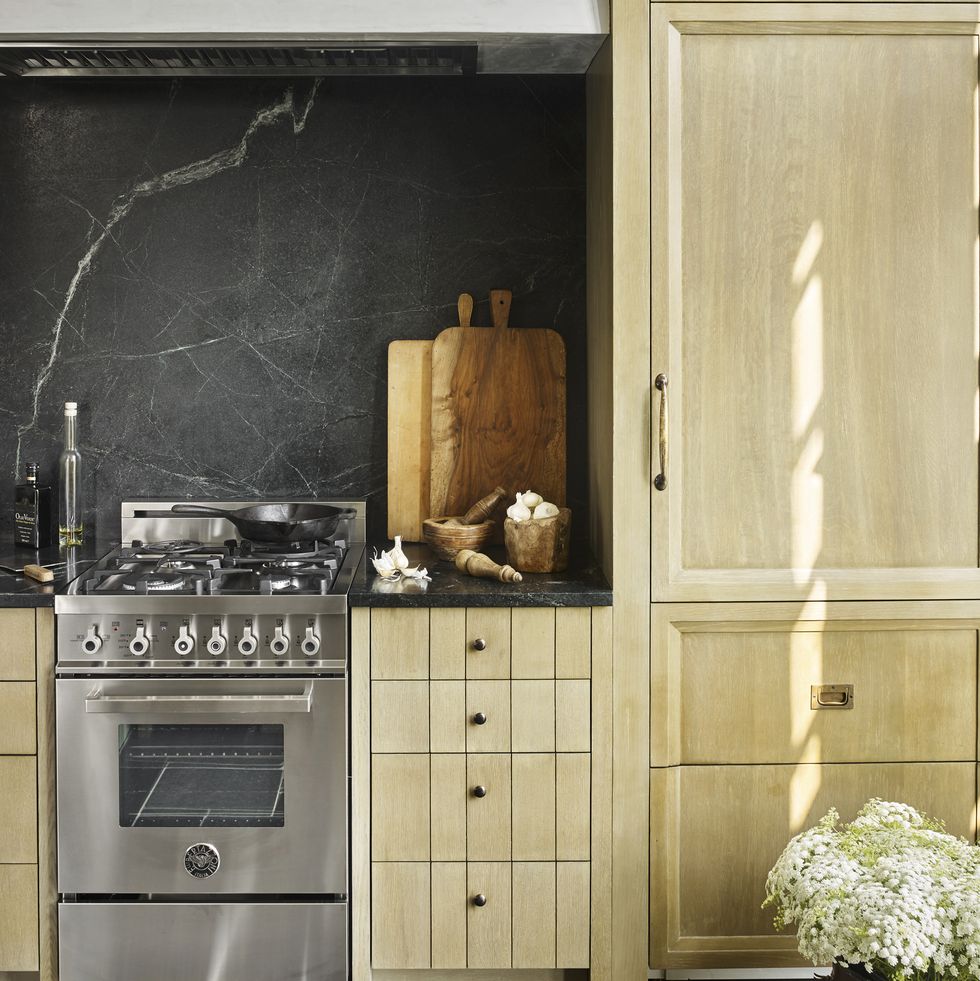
[200,509]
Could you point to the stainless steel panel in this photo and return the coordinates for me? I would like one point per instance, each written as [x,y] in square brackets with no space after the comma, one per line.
[203,941]
[308,854]
[116,631]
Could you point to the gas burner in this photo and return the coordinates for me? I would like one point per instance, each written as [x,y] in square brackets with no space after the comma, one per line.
[176,565]
[154,583]
[163,548]
[280,565]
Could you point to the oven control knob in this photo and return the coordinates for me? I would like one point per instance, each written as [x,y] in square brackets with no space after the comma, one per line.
[280,642]
[93,642]
[217,644]
[311,643]
[248,645]
[140,644]
[184,644]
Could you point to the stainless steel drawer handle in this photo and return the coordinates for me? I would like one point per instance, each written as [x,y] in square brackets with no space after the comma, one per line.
[199,704]
[831,696]
[479,899]
[660,481]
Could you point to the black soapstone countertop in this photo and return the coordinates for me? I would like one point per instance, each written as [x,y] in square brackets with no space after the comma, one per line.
[583,584]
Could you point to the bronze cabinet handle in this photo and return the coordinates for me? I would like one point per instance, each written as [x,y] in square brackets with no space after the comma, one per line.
[479,900]
[660,481]
[479,644]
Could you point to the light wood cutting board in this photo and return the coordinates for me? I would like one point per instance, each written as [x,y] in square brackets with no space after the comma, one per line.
[409,430]
[498,412]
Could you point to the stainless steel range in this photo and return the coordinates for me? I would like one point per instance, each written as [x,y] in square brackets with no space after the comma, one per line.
[202,751]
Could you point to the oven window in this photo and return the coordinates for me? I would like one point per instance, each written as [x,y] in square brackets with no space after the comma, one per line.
[223,776]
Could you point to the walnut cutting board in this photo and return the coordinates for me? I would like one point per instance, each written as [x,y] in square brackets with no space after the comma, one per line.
[498,412]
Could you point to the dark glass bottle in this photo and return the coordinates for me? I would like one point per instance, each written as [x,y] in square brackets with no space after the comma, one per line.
[32,513]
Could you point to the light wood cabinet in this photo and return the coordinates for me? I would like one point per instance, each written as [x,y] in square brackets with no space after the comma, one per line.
[717,830]
[28,897]
[814,300]
[481,788]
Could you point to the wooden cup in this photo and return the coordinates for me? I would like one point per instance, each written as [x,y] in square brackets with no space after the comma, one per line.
[539,544]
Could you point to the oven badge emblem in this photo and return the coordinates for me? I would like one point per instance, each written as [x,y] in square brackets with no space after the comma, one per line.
[201,860]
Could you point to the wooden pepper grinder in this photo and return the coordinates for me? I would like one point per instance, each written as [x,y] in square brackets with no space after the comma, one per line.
[478,564]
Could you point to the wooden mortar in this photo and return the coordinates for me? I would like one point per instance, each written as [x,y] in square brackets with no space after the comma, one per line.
[446,536]
[539,544]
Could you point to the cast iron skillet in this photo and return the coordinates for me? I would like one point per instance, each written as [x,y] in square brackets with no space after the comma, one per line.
[277,522]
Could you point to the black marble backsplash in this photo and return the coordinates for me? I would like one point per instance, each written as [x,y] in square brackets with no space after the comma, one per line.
[213,269]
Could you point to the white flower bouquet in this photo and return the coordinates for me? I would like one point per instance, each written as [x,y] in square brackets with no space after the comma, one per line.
[890,894]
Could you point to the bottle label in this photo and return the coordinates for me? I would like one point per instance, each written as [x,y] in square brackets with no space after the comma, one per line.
[25,525]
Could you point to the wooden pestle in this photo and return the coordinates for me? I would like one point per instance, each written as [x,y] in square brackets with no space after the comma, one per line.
[484,507]
[478,564]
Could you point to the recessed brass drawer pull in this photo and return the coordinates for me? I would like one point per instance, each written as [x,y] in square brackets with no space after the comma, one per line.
[831,696]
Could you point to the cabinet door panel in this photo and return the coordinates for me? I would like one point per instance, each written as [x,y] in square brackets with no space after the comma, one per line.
[533,716]
[708,872]
[573,914]
[488,817]
[400,808]
[488,927]
[18,809]
[400,931]
[448,914]
[532,643]
[18,717]
[735,683]
[489,699]
[448,806]
[487,643]
[533,808]
[534,914]
[447,715]
[18,918]
[400,716]
[400,645]
[17,645]
[573,783]
[817,331]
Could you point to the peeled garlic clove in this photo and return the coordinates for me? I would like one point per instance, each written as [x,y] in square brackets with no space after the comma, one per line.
[397,555]
[531,499]
[518,511]
[545,510]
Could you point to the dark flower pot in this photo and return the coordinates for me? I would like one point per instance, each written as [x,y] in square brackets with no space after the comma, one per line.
[854,973]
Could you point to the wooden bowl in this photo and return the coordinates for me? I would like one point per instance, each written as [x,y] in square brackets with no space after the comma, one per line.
[448,539]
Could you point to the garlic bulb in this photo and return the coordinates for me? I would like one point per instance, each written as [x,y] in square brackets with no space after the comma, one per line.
[545,510]
[531,499]
[393,565]
[398,556]
[518,511]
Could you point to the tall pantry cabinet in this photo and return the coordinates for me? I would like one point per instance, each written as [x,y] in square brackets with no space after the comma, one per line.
[814,419]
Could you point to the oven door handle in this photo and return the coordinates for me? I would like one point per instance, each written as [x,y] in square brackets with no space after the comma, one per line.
[199,704]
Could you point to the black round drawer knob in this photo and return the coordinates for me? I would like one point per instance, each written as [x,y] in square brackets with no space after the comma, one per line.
[479,900]
[479,791]
[480,719]
[479,644]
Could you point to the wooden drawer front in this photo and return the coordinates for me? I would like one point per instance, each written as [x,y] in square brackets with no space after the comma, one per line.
[487,643]
[535,915]
[739,690]
[488,818]
[490,701]
[18,810]
[18,717]
[717,830]
[400,716]
[400,801]
[17,645]
[18,918]
[399,645]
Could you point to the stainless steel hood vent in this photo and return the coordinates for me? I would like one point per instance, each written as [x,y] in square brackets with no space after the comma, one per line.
[149,60]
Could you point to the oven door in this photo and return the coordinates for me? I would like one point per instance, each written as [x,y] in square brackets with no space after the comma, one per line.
[202,786]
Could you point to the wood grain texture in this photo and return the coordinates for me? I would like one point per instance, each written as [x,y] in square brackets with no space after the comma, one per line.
[910,663]
[360,803]
[573,730]
[399,644]
[399,717]
[449,790]
[488,821]
[492,698]
[534,920]
[532,652]
[572,914]
[447,648]
[18,918]
[572,793]
[708,876]
[533,716]
[573,642]
[824,332]
[447,716]
[498,415]
[488,936]
[18,810]
[448,914]
[47,856]
[400,798]
[533,795]
[409,437]
[17,645]
[493,627]
[401,921]
[18,717]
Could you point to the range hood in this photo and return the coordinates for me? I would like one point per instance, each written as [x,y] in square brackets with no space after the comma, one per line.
[125,38]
